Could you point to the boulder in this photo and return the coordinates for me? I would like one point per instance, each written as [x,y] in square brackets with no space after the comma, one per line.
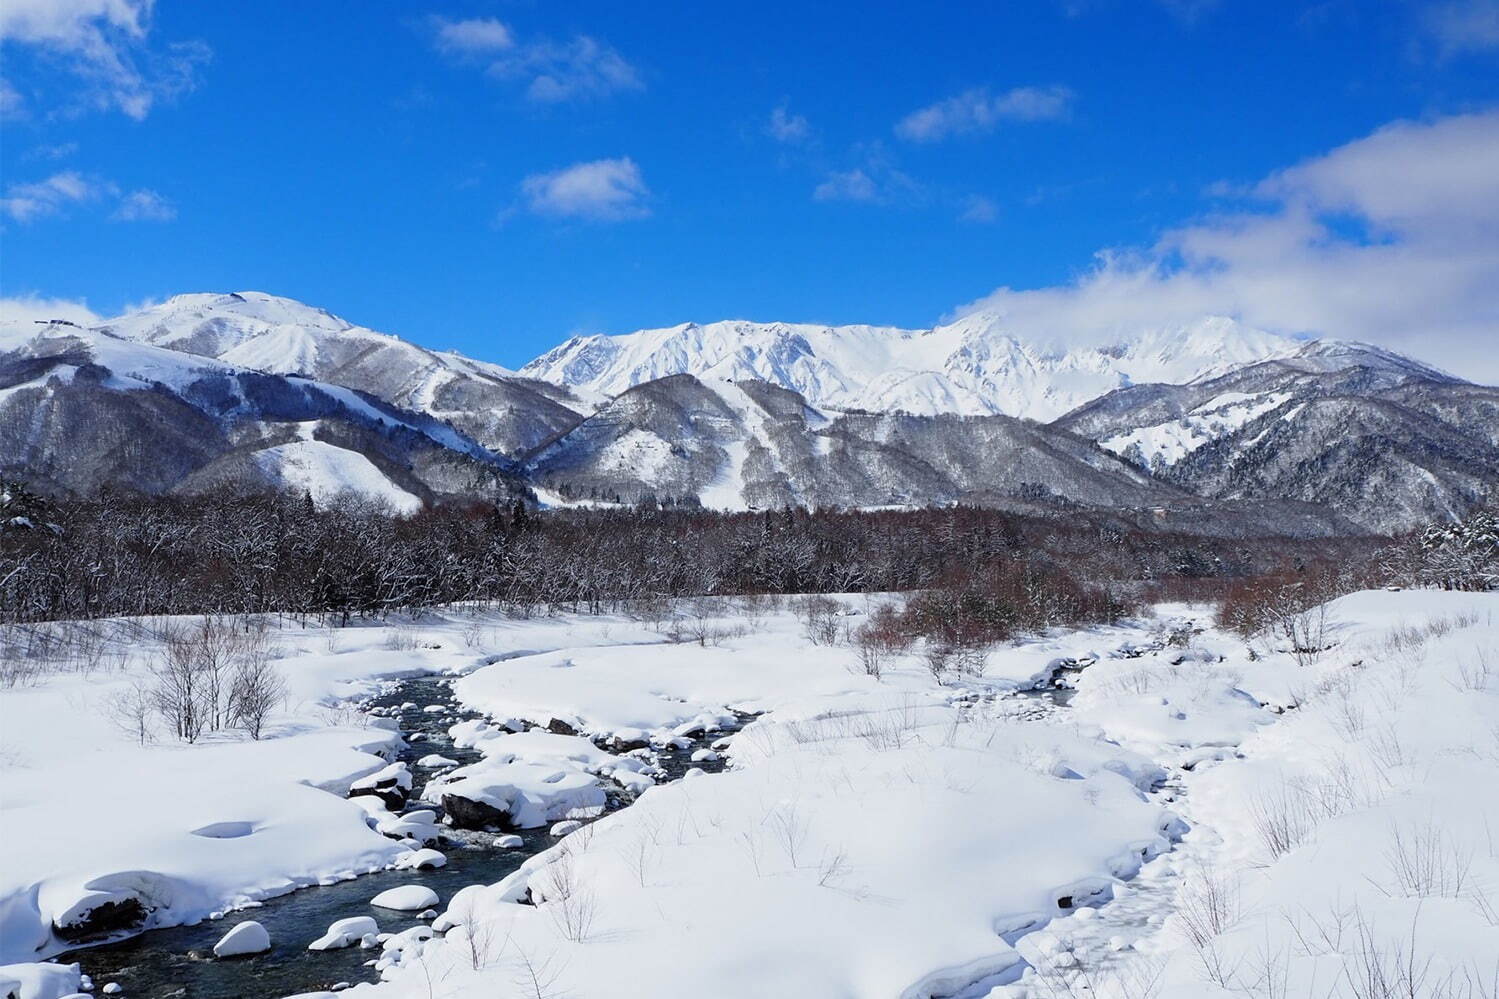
[466,813]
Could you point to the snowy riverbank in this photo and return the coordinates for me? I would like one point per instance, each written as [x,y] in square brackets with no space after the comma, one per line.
[1186,827]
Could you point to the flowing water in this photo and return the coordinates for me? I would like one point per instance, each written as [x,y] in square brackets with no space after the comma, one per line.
[178,961]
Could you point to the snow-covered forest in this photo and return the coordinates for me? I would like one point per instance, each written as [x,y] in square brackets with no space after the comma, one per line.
[992,757]
[127,554]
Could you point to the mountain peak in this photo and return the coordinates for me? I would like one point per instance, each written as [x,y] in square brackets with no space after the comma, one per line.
[976,364]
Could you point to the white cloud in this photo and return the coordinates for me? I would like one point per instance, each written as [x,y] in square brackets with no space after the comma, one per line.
[12,104]
[32,307]
[479,34]
[60,151]
[1392,239]
[978,110]
[553,72]
[39,199]
[875,179]
[847,185]
[602,190]
[144,206]
[977,208]
[787,127]
[104,45]
[1464,25]
[53,195]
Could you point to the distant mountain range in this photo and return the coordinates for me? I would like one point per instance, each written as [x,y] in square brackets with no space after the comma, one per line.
[1209,426]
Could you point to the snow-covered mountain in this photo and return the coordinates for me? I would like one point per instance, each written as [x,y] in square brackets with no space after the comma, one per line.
[82,409]
[1387,441]
[978,365]
[751,444]
[251,329]
[249,389]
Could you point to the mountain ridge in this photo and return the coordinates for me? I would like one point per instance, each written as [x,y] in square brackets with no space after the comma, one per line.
[769,414]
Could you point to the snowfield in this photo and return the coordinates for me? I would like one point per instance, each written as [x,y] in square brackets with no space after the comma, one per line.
[1199,819]
[325,472]
[979,364]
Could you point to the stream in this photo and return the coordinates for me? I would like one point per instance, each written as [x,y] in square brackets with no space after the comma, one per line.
[178,961]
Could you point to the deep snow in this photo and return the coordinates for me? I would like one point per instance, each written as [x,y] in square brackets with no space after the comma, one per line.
[1200,819]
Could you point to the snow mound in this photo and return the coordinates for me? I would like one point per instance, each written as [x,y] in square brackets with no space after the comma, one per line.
[248,937]
[406,898]
[345,933]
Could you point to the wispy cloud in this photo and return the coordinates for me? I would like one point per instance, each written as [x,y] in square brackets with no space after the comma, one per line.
[12,104]
[847,185]
[104,46]
[1463,25]
[1392,238]
[39,199]
[1186,11]
[979,209]
[35,200]
[144,206]
[32,307]
[552,72]
[59,151]
[475,35]
[978,110]
[786,127]
[610,190]
[874,179]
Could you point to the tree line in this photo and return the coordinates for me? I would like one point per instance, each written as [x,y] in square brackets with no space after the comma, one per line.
[120,554]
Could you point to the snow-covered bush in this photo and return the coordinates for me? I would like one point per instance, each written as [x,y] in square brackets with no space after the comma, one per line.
[820,617]
[1287,609]
[1461,556]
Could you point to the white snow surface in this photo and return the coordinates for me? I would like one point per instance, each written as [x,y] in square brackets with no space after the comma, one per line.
[248,937]
[192,831]
[325,472]
[979,364]
[405,898]
[876,839]
[1170,442]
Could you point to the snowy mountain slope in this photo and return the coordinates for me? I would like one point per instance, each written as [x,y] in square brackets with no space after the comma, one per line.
[186,394]
[1387,441]
[975,366]
[81,409]
[278,335]
[323,471]
[1384,465]
[1316,368]
[753,445]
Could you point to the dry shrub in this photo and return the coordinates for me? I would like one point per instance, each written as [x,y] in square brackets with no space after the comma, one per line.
[977,606]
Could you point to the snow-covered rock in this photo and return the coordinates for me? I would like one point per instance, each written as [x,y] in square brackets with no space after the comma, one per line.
[421,860]
[345,933]
[39,981]
[405,898]
[248,937]
[515,795]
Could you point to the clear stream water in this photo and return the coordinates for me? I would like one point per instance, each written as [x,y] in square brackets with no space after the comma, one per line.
[178,961]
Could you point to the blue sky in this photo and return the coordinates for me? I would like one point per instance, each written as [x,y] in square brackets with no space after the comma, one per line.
[495,176]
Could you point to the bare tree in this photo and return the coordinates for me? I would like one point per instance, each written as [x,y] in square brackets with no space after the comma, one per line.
[257,689]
